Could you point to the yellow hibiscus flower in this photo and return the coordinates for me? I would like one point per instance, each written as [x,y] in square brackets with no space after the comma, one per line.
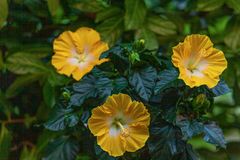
[120,125]
[76,53]
[198,62]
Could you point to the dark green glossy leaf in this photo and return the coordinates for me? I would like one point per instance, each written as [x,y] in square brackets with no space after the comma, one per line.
[90,86]
[143,82]
[119,84]
[104,87]
[61,118]
[135,14]
[191,154]
[84,89]
[165,141]
[188,154]
[190,128]
[169,114]
[165,79]
[63,148]
[119,59]
[221,88]
[85,116]
[214,135]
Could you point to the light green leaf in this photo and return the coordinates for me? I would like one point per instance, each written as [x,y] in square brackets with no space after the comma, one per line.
[27,154]
[150,38]
[49,94]
[232,38]
[135,14]
[38,8]
[23,63]
[107,13]
[55,9]
[161,26]
[5,142]
[1,60]
[90,6]
[3,12]
[111,29]
[21,82]
[209,5]
[234,4]
[56,79]
[218,25]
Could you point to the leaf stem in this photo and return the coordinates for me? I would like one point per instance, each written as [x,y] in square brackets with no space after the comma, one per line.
[13,121]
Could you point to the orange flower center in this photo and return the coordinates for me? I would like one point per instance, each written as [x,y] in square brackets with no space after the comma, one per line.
[124,131]
[80,57]
[120,125]
[194,62]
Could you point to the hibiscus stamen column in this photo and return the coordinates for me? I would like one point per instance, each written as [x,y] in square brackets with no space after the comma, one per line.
[124,131]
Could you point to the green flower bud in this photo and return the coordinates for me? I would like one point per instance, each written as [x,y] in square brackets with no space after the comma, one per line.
[139,44]
[66,95]
[199,100]
[133,57]
[201,103]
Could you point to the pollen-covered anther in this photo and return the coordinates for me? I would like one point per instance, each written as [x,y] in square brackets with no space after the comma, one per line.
[124,131]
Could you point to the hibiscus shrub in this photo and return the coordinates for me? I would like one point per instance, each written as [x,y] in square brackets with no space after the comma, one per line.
[136,104]
[119,79]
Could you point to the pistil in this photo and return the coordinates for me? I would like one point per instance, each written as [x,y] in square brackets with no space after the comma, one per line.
[124,131]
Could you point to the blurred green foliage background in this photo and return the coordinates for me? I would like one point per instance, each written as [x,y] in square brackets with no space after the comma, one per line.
[29,85]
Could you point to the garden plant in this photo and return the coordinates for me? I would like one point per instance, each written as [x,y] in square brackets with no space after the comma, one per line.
[119,80]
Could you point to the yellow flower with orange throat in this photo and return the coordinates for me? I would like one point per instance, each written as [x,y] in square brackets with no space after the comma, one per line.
[120,125]
[198,62]
[76,53]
